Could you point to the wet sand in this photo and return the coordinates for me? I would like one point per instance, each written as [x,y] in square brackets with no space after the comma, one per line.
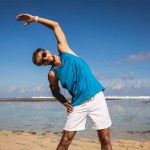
[20,140]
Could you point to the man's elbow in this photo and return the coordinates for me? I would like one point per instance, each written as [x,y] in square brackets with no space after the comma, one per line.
[56,25]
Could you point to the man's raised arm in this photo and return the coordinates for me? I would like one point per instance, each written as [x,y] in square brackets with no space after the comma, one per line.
[60,36]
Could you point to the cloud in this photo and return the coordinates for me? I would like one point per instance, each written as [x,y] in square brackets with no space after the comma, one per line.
[139,57]
[8,90]
[128,84]
[138,84]
[129,76]
[14,91]
[117,85]
[38,88]
[128,87]
[23,90]
[101,76]
[120,84]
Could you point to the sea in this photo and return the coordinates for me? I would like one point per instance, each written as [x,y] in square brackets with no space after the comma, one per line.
[130,118]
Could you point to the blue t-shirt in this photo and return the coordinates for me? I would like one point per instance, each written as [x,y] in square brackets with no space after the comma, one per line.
[75,76]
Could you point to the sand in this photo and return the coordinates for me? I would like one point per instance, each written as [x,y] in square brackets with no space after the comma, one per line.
[20,140]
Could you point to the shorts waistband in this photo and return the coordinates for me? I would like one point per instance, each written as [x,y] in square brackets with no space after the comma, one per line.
[89,100]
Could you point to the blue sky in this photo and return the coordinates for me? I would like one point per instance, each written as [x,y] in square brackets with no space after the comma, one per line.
[112,36]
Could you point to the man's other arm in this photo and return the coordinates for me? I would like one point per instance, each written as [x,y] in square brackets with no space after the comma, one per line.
[54,86]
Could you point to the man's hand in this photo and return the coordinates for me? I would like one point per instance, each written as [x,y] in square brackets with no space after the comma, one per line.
[26,17]
[69,107]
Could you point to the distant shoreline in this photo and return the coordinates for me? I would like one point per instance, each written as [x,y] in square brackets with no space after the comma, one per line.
[41,99]
[27,99]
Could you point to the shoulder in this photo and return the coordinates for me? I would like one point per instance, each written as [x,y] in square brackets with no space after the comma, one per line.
[52,76]
[65,48]
[53,80]
[51,73]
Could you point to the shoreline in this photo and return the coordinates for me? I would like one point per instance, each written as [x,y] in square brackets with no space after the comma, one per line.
[42,99]
[28,140]
[26,99]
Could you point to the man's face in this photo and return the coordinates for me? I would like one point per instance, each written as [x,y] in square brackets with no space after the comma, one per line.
[46,58]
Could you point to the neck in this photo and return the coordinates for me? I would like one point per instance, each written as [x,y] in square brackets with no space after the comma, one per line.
[57,62]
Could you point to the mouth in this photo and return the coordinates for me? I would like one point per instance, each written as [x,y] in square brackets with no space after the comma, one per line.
[52,62]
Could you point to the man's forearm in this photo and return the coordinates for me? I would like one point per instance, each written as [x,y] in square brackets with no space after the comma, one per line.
[60,36]
[48,23]
[56,93]
[60,98]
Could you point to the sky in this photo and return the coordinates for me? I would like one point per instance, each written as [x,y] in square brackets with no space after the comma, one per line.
[112,36]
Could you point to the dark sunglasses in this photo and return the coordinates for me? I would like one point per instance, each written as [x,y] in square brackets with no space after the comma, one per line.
[44,54]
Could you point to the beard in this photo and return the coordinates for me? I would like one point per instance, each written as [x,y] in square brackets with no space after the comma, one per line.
[52,62]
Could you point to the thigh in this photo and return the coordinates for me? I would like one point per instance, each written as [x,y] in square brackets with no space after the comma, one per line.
[99,113]
[76,120]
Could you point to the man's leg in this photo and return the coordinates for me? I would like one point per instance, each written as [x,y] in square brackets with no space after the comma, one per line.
[104,138]
[66,140]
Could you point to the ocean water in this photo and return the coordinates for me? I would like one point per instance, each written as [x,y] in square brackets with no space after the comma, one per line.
[130,119]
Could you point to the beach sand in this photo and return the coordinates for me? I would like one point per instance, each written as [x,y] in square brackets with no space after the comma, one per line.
[20,140]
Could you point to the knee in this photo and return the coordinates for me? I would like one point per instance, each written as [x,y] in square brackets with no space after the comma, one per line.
[65,141]
[105,140]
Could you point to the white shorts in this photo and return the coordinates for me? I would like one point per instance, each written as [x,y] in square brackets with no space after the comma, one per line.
[95,108]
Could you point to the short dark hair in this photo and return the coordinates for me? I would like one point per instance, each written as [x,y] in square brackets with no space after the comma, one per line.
[34,56]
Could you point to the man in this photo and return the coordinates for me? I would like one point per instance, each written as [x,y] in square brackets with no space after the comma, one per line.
[75,76]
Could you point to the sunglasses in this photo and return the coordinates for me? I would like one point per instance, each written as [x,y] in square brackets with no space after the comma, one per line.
[44,54]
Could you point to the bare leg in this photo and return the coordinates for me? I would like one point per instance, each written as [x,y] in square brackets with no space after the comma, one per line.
[104,138]
[66,140]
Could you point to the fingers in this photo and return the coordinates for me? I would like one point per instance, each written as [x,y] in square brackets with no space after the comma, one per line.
[20,17]
[25,17]
[69,108]
[25,24]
